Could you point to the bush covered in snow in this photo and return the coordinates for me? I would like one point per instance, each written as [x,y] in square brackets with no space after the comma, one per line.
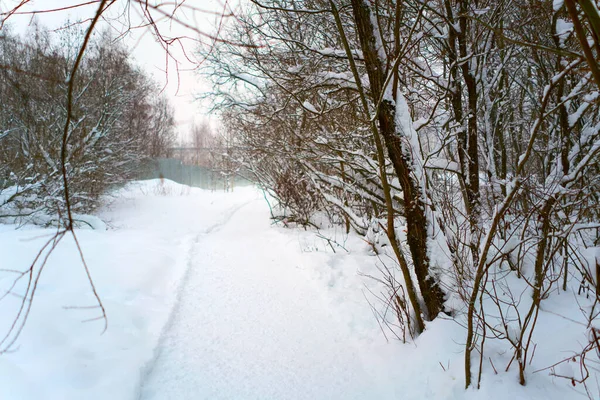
[117,119]
[475,152]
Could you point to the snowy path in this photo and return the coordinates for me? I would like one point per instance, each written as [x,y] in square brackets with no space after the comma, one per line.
[206,300]
[249,325]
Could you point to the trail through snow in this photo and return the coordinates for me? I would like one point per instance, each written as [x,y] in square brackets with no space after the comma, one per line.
[207,300]
[248,324]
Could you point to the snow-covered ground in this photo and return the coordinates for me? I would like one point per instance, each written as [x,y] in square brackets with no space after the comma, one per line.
[206,299]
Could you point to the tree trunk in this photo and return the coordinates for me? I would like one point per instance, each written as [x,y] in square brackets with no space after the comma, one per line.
[402,162]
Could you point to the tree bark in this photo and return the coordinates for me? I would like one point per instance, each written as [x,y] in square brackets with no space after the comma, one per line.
[402,162]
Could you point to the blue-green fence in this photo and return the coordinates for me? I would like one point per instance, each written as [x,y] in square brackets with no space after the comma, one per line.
[190,175]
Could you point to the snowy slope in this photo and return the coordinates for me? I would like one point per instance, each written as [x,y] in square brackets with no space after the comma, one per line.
[207,299]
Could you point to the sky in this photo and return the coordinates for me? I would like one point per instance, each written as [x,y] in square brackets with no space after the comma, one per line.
[181,85]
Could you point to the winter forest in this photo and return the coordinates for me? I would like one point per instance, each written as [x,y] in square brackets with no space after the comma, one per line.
[404,200]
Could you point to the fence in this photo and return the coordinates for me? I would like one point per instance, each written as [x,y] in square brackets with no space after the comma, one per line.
[191,175]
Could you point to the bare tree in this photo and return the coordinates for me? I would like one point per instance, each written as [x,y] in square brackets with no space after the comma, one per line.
[472,125]
[72,136]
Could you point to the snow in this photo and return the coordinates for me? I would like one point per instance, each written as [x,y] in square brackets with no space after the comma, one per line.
[137,267]
[308,106]
[563,27]
[252,329]
[557,4]
[442,163]
[207,299]
[563,30]
[328,51]
[251,79]
[91,221]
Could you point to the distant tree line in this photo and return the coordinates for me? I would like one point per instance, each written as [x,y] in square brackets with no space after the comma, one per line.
[211,149]
[119,118]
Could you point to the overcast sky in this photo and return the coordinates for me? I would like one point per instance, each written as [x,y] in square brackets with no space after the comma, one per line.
[146,50]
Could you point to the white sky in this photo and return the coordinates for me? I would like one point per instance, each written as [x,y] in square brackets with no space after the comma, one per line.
[147,52]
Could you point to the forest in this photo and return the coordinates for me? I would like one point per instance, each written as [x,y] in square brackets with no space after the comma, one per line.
[458,139]
[463,135]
